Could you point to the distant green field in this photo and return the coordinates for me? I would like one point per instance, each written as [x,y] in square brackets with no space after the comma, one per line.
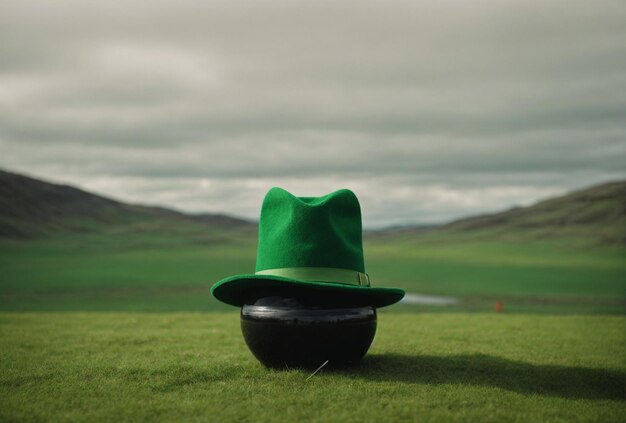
[148,272]
[527,276]
[422,367]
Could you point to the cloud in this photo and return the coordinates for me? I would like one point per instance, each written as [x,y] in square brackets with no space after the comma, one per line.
[429,110]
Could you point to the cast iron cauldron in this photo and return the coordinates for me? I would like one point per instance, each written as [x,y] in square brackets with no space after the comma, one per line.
[283,333]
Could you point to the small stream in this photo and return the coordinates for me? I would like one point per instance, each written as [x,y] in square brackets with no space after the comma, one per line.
[411,298]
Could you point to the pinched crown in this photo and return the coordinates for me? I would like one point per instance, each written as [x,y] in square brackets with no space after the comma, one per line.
[297,232]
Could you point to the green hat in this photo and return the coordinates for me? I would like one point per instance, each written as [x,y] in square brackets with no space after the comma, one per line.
[312,245]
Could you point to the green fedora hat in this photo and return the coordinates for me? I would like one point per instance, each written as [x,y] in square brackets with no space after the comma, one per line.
[311,245]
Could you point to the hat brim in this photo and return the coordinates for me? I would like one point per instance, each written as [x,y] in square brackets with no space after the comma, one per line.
[240,289]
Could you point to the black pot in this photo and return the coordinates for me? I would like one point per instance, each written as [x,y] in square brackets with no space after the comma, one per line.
[282,333]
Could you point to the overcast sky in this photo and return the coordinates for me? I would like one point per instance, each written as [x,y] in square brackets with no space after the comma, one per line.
[428,110]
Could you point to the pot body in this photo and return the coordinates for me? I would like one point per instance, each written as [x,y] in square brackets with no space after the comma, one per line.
[286,336]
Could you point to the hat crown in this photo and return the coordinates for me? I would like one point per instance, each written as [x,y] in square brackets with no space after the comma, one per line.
[310,231]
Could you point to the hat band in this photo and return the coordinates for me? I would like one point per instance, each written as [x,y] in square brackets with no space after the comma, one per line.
[320,274]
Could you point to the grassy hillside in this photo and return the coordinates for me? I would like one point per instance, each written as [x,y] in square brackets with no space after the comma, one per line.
[421,367]
[31,209]
[592,216]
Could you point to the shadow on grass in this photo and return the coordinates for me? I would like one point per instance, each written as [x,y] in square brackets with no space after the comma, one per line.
[485,370]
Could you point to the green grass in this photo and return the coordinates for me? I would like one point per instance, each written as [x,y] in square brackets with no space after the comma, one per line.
[135,272]
[529,276]
[422,367]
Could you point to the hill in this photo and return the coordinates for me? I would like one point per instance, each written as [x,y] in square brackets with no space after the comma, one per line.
[596,214]
[31,208]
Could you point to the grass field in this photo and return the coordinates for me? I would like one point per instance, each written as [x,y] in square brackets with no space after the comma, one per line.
[422,367]
[140,273]
[106,315]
